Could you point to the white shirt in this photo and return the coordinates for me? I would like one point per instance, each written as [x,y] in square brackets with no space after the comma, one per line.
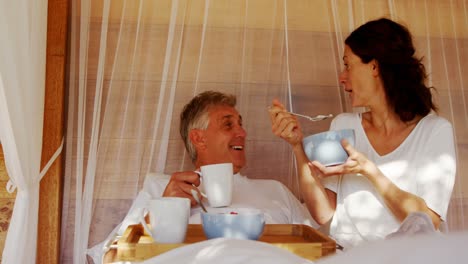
[424,165]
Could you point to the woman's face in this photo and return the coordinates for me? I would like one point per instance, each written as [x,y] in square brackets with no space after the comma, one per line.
[359,79]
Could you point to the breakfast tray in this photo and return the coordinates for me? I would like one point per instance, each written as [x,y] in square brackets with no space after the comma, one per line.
[302,240]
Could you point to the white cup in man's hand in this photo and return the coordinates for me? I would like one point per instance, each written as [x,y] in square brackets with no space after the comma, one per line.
[169,217]
[217,183]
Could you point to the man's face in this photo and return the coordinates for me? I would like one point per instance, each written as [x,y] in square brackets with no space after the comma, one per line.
[224,138]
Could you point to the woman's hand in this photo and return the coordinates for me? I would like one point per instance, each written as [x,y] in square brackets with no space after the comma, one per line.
[357,163]
[284,125]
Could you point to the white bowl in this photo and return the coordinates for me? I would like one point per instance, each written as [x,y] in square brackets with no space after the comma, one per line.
[245,224]
[326,147]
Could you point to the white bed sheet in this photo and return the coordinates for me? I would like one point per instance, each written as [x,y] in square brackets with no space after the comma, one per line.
[434,248]
[228,251]
[430,248]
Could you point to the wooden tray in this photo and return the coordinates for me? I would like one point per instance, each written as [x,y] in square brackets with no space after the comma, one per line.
[136,245]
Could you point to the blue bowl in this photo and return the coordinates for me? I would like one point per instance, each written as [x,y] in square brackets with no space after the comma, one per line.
[246,224]
[326,147]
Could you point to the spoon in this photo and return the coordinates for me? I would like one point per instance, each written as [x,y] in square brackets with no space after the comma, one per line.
[314,118]
[195,196]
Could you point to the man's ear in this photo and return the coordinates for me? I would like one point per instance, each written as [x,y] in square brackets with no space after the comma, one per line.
[197,137]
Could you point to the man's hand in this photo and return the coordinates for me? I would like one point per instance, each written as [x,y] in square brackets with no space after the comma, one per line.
[181,184]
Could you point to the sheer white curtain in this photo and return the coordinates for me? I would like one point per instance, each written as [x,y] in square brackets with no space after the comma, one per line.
[134,64]
[23,27]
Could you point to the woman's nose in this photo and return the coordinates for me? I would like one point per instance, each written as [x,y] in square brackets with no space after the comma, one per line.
[342,77]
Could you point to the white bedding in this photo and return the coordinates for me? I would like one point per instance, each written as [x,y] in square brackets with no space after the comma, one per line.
[228,251]
[430,248]
[420,249]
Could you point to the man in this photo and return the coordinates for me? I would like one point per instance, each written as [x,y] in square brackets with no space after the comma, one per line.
[212,131]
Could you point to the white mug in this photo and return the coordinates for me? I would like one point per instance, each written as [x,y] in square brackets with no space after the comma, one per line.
[168,217]
[217,183]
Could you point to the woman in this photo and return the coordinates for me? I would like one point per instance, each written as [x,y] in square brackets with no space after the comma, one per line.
[404,157]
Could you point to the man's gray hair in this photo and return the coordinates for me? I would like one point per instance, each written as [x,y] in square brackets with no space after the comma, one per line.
[195,115]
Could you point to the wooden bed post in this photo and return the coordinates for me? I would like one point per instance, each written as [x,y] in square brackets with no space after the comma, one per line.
[51,186]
